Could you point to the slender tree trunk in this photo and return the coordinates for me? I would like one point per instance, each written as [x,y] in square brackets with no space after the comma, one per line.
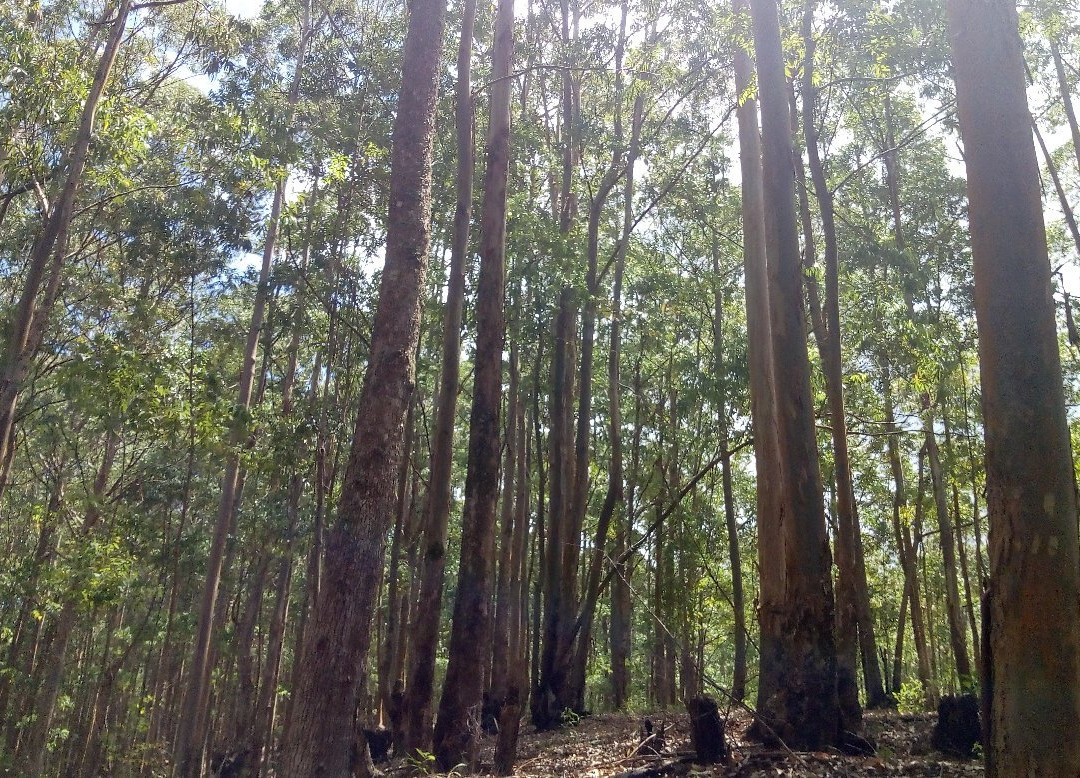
[957,637]
[898,650]
[854,627]
[32,754]
[620,592]
[1066,98]
[563,545]
[804,709]
[738,683]
[500,643]
[456,738]
[389,668]
[188,746]
[324,726]
[424,638]
[31,318]
[1034,595]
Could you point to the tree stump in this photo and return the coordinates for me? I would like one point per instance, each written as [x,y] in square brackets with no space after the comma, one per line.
[957,729]
[707,730]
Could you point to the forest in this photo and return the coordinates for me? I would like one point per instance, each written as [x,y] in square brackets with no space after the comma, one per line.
[550,387]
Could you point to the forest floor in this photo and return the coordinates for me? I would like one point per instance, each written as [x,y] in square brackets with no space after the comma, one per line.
[609,745]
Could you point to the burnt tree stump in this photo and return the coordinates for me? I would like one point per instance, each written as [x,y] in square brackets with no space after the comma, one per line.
[707,730]
[957,729]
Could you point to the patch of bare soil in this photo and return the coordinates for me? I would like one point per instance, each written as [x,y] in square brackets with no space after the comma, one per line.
[610,746]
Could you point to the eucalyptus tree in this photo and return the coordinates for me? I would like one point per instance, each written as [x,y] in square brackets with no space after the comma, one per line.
[323,730]
[1034,594]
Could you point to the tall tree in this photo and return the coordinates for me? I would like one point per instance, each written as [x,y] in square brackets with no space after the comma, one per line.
[1032,688]
[804,710]
[324,729]
[470,636]
[424,635]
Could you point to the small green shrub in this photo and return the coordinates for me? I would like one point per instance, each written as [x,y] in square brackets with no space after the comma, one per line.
[911,698]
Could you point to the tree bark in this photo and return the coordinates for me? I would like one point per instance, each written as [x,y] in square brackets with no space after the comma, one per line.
[854,626]
[1034,598]
[456,737]
[323,729]
[762,407]
[500,643]
[804,709]
[424,637]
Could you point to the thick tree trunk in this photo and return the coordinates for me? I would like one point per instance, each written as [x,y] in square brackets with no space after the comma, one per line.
[424,637]
[456,736]
[324,726]
[762,407]
[1034,598]
[804,709]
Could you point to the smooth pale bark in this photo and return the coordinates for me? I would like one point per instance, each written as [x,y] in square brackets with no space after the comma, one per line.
[804,709]
[1034,594]
[47,252]
[456,737]
[334,670]
[424,631]
[762,408]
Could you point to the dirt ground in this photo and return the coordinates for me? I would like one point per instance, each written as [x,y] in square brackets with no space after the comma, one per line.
[609,745]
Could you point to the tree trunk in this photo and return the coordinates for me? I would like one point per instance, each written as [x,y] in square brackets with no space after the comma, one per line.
[563,544]
[738,683]
[49,247]
[32,754]
[1034,598]
[456,738]
[424,638]
[854,626]
[323,730]
[1066,98]
[898,650]
[957,638]
[762,407]
[804,709]
[187,750]
[500,643]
